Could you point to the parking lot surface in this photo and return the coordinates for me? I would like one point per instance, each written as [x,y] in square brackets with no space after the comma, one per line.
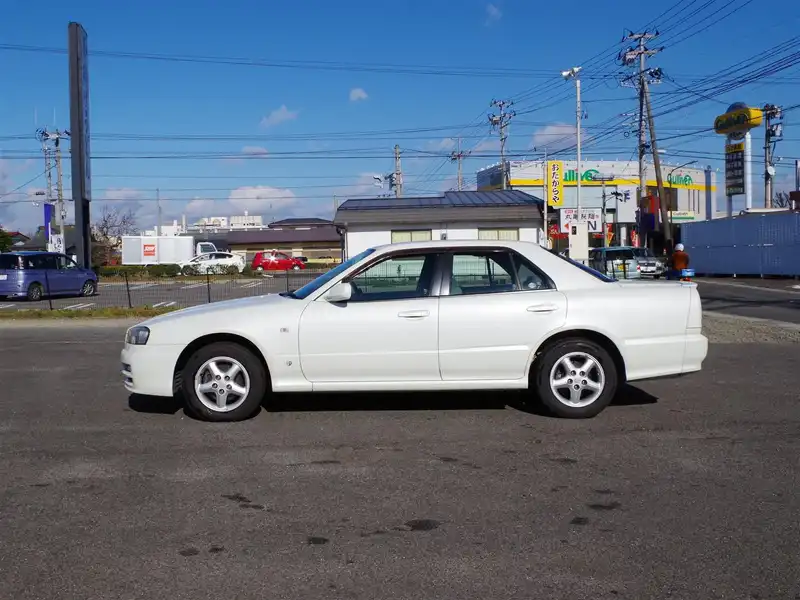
[684,488]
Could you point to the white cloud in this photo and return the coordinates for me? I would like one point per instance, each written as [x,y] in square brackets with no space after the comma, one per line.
[556,137]
[254,151]
[442,145]
[488,146]
[278,116]
[260,199]
[357,94]
[493,14]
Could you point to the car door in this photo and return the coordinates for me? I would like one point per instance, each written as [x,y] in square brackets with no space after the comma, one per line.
[50,274]
[494,309]
[71,277]
[387,332]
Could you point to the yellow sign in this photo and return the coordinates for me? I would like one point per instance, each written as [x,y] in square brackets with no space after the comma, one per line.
[731,148]
[555,182]
[739,120]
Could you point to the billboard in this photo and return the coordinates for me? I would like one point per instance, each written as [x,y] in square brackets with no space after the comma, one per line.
[79,136]
[738,120]
[554,181]
[734,169]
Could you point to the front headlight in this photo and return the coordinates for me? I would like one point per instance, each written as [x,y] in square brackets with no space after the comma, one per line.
[137,336]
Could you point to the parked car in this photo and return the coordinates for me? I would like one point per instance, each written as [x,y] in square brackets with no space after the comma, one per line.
[618,262]
[444,315]
[276,261]
[34,275]
[212,262]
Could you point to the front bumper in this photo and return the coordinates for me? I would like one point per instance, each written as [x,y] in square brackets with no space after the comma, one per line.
[150,370]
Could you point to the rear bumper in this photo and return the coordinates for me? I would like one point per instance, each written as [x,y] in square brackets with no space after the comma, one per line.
[695,352]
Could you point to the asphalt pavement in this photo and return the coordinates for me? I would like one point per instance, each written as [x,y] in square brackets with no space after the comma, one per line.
[685,488]
[778,300]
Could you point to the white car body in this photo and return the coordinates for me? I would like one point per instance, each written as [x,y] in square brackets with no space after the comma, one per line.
[212,262]
[437,342]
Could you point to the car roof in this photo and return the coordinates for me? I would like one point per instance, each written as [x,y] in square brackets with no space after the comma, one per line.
[444,244]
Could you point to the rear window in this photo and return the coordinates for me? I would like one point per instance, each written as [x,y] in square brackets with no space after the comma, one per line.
[582,267]
[9,262]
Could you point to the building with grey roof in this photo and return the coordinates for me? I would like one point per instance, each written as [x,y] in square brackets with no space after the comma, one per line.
[484,215]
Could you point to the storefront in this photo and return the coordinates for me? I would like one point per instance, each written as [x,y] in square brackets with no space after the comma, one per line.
[688,192]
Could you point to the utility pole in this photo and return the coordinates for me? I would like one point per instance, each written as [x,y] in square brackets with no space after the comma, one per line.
[158,206]
[772,134]
[458,156]
[637,55]
[398,173]
[500,122]
[657,165]
[45,137]
[62,211]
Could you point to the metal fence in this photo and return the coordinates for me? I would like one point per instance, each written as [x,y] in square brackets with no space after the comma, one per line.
[127,291]
[764,244]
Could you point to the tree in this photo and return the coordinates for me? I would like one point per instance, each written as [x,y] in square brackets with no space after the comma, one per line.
[108,230]
[5,240]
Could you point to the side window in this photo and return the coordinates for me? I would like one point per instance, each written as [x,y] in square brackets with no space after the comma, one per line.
[481,273]
[493,272]
[396,278]
[44,261]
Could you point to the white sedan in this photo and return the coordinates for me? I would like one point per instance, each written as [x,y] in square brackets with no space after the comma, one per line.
[213,262]
[454,315]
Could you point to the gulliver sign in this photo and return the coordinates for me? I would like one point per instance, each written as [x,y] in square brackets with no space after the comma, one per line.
[739,119]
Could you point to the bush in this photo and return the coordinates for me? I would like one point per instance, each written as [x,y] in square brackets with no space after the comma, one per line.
[138,271]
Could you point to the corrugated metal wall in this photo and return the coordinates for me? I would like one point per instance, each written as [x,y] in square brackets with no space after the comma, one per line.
[766,244]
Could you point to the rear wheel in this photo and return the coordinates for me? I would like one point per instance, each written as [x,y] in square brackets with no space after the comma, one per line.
[224,382]
[575,378]
[295,267]
[35,292]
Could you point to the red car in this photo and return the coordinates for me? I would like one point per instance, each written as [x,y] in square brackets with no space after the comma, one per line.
[276,261]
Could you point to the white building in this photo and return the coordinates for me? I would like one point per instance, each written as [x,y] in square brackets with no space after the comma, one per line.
[493,215]
[689,192]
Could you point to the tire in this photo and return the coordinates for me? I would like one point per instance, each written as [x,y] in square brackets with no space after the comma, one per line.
[35,292]
[551,364]
[295,267]
[89,288]
[252,377]
[260,269]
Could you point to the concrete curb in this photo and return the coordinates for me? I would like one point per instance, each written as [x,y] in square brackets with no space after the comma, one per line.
[767,322]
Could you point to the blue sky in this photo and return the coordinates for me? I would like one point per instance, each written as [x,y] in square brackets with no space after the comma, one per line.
[265,131]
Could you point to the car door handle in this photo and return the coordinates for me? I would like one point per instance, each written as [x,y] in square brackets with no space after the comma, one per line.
[542,308]
[413,314]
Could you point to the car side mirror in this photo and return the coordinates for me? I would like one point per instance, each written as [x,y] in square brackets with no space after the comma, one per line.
[341,292]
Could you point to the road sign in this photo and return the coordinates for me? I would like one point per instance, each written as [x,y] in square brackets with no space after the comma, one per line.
[591,216]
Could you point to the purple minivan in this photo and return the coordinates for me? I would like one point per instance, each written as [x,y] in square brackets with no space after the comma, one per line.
[34,275]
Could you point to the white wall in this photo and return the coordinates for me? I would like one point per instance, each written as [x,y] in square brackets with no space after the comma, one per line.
[359,238]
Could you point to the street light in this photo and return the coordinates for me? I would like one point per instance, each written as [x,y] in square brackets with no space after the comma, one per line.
[567,75]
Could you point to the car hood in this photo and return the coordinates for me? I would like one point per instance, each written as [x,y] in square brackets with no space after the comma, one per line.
[209,312]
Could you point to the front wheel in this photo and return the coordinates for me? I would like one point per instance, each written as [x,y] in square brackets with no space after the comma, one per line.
[575,378]
[89,288]
[224,382]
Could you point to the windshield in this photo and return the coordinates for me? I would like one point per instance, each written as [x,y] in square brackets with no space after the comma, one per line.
[584,268]
[317,283]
